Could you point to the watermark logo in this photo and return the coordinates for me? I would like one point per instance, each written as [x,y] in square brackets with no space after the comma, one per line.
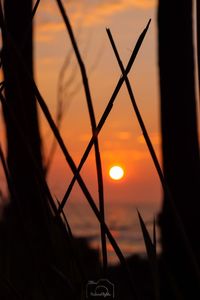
[102,289]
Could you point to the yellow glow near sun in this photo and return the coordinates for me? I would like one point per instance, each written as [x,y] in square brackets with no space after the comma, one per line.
[116,172]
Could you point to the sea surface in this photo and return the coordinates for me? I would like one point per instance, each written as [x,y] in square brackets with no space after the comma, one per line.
[122,220]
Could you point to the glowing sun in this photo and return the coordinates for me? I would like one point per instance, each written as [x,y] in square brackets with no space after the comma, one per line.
[116,172]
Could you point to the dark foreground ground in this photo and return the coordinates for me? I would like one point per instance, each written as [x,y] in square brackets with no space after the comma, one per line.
[115,284]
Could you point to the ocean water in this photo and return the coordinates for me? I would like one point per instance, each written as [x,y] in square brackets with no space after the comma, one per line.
[122,220]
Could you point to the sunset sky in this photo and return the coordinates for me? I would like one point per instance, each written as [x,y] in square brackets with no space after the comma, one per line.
[121,140]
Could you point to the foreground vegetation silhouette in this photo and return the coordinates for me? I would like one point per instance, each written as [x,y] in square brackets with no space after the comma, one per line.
[39,256]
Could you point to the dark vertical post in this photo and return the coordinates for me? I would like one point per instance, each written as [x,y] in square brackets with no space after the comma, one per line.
[179,131]
[26,240]
[198,39]
[20,98]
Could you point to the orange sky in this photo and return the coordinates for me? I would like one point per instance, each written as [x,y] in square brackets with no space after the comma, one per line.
[121,140]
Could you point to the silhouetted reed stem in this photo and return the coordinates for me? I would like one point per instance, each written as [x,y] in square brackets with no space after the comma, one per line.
[35,8]
[93,125]
[151,254]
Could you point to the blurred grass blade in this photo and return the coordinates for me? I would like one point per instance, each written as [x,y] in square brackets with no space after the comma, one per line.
[152,257]
[147,239]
